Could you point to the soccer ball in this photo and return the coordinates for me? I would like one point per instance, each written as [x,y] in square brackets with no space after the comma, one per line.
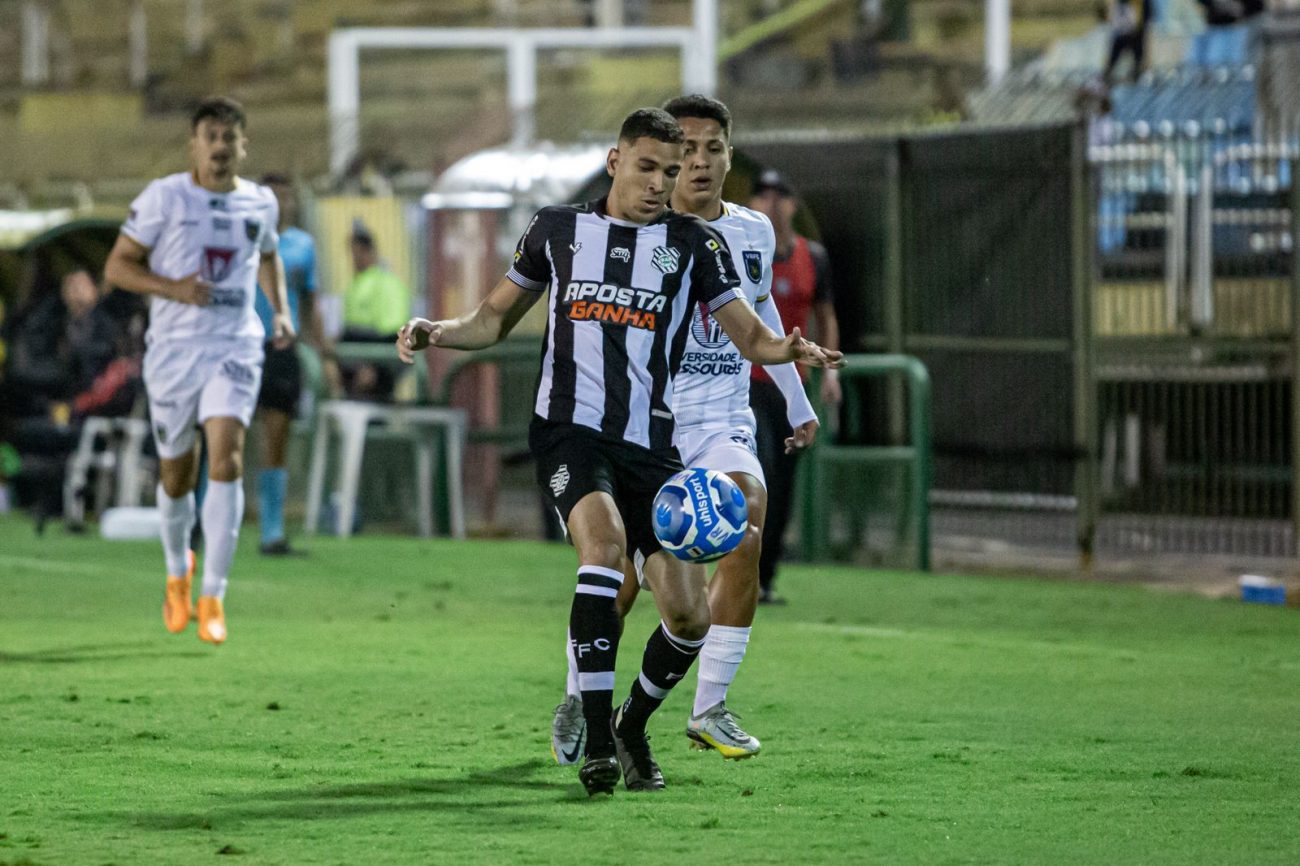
[700,515]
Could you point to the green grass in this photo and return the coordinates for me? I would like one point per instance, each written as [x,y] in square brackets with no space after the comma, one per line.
[388,700]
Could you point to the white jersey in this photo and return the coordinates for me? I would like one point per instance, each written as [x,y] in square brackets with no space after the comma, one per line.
[711,390]
[221,236]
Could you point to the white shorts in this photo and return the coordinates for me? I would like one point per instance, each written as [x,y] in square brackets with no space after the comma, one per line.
[190,382]
[722,450]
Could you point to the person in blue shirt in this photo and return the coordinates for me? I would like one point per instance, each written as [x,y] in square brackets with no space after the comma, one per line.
[282,374]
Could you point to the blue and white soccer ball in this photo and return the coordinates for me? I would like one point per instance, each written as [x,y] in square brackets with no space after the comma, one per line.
[700,515]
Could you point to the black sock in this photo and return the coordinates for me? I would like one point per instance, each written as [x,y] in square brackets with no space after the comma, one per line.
[593,630]
[666,662]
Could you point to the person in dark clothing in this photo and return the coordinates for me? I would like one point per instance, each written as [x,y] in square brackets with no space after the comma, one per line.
[801,287]
[68,359]
[1225,13]
[1129,21]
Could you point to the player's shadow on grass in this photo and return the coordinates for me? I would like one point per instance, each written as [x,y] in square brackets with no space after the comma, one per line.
[134,650]
[472,795]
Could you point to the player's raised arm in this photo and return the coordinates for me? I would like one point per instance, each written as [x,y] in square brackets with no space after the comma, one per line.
[759,345]
[498,313]
[489,323]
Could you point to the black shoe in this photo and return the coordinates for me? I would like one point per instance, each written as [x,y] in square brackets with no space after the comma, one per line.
[767,596]
[640,772]
[599,774]
[280,547]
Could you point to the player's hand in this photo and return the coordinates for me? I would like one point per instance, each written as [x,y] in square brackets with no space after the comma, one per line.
[284,334]
[831,392]
[809,353]
[804,435]
[191,290]
[416,335]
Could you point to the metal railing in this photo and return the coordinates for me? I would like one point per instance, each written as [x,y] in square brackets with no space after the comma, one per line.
[1197,363]
[829,455]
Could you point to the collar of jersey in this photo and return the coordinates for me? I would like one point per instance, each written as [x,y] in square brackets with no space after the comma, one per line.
[194,184]
[598,208]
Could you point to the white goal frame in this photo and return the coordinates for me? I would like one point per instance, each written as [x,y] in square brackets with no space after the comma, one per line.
[697,46]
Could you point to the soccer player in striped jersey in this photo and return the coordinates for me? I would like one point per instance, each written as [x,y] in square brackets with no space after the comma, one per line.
[716,430]
[624,274]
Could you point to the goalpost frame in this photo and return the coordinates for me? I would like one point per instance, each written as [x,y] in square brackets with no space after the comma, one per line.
[697,46]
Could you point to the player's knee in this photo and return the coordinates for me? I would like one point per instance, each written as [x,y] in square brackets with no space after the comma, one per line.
[175,485]
[225,467]
[605,553]
[751,545]
[688,625]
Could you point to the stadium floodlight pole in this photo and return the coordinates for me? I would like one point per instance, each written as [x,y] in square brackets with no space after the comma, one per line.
[704,21]
[36,43]
[697,47]
[138,44]
[195,31]
[997,39]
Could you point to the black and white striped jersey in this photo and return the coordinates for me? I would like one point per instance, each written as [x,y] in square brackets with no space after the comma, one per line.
[621,298]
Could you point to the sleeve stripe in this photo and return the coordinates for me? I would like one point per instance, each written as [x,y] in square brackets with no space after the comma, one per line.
[524,282]
[717,302]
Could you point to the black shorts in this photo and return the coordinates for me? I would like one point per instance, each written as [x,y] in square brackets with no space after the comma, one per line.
[281,380]
[573,461]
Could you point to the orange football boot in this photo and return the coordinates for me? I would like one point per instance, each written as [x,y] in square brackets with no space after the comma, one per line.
[212,619]
[176,598]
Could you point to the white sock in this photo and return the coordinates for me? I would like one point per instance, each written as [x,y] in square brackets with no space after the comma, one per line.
[223,510]
[724,649]
[571,681]
[177,523]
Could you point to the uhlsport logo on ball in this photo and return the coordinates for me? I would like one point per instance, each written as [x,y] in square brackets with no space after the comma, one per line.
[700,515]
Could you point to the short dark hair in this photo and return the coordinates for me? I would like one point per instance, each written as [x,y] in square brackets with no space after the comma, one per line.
[700,106]
[222,109]
[651,123]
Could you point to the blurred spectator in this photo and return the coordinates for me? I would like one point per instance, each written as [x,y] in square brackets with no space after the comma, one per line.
[377,304]
[801,286]
[1226,40]
[1225,13]
[68,358]
[1129,24]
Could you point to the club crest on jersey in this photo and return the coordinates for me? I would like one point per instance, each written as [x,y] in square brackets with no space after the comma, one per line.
[706,330]
[252,229]
[665,259]
[753,265]
[217,263]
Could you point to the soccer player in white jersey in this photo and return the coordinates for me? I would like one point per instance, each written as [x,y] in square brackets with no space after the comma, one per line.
[199,243]
[624,273]
[716,430]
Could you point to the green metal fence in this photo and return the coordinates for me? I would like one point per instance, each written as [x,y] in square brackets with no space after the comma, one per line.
[834,457]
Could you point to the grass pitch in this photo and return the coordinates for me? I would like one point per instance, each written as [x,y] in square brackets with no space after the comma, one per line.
[388,700]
